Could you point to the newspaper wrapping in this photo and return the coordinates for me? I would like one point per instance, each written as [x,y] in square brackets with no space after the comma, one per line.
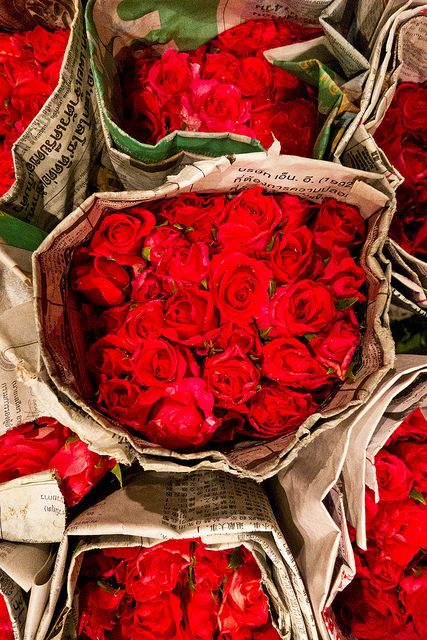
[398,54]
[112,25]
[343,461]
[56,157]
[65,361]
[25,573]
[32,508]
[223,510]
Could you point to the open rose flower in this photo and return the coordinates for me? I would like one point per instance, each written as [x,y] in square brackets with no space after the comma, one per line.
[212,317]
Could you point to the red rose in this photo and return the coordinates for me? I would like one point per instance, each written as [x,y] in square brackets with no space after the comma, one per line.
[343,275]
[7,169]
[106,357]
[414,427]
[244,604]
[148,121]
[412,100]
[141,321]
[103,282]
[296,212]
[335,347]
[188,264]
[268,632]
[414,456]
[256,76]
[189,317]
[158,362]
[286,86]
[6,629]
[156,570]
[146,286]
[247,222]
[171,74]
[98,608]
[210,568]
[120,234]
[202,614]
[338,224]
[213,106]
[393,476]
[398,529]
[294,125]
[109,321]
[188,209]
[79,469]
[160,240]
[293,256]
[231,377]
[289,362]
[223,67]
[47,48]
[248,38]
[178,417]
[239,286]
[118,397]
[382,572]
[303,307]
[413,595]
[275,411]
[164,610]
[246,338]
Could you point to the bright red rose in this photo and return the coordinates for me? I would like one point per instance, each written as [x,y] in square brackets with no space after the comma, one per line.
[164,610]
[146,286]
[214,106]
[398,530]
[142,320]
[414,427]
[239,286]
[231,377]
[98,606]
[304,307]
[289,362]
[247,221]
[107,357]
[103,282]
[223,67]
[118,397]
[256,76]
[171,74]
[293,256]
[338,224]
[343,275]
[190,317]
[156,570]
[210,568]
[184,264]
[158,362]
[336,346]
[202,614]
[122,234]
[414,456]
[178,417]
[246,338]
[276,411]
[394,478]
[413,595]
[188,209]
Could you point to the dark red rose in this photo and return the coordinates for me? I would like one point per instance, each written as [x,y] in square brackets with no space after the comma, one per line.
[231,377]
[248,38]
[146,286]
[295,126]
[171,74]
[158,362]
[103,282]
[109,321]
[210,568]
[239,286]
[336,346]
[256,76]
[413,595]
[179,416]
[343,275]
[107,357]
[296,212]
[190,317]
[394,478]
[381,571]
[303,307]
[276,411]
[285,85]
[414,456]
[188,209]
[289,362]
[412,100]
[414,427]
[293,256]
[122,234]
[142,320]
[338,224]
[247,222]
[98,606]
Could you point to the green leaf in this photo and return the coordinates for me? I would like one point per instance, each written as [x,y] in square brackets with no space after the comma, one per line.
[416,495]
[345,303]
[236,559]
[117,471]
[146,253]
[330,370]
[204,283]
[310,336]
[107,587]
[70,440]
[264,332]
[270,244]
[272,288]
[178,226]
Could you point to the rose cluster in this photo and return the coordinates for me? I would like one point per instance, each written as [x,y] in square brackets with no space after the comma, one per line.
[176,590]
[223,85]
[403,137]
[6,630]
[46,444]
[387,599]
[30,62]
[212,315]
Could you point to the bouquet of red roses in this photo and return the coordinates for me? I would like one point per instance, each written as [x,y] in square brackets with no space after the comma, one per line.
[388,595]
[46,444]
[175,589]
[403,138]
[219,317]
[225,84]
[30,62]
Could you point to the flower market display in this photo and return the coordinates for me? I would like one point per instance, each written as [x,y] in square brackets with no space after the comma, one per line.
[213,299]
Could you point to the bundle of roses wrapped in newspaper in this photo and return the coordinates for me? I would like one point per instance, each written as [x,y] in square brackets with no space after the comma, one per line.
[205,210]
